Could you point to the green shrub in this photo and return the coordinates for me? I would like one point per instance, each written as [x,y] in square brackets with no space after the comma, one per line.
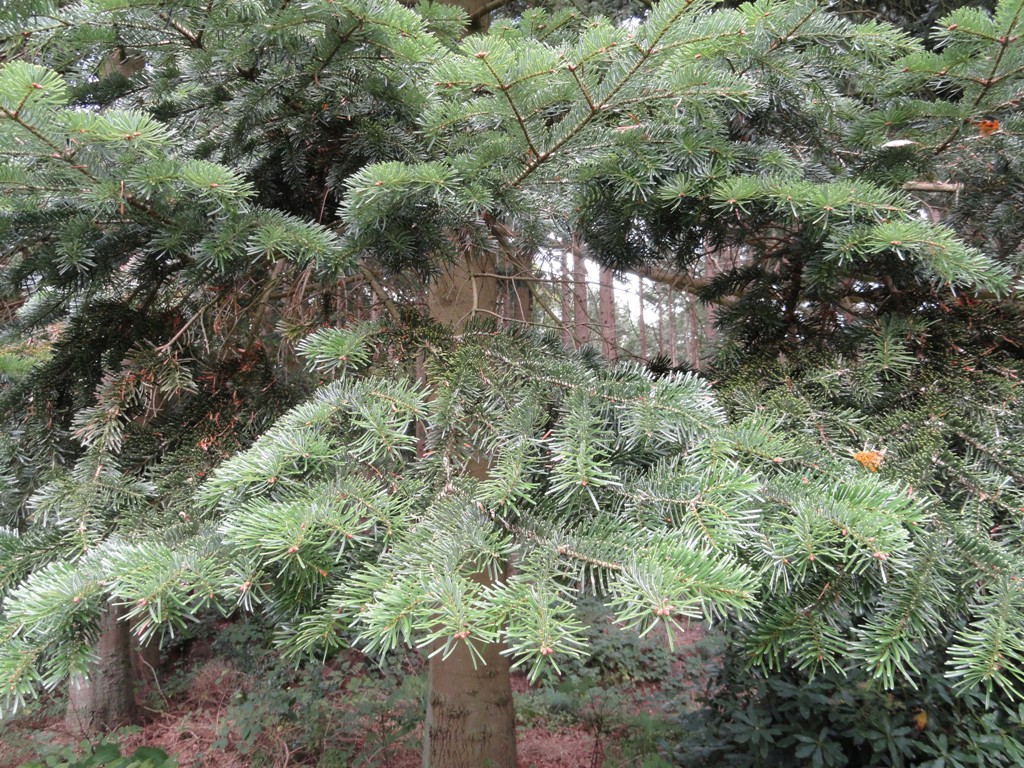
[749,719]
[349,711]
[105,755]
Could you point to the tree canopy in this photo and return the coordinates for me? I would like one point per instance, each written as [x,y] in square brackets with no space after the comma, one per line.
[199,196]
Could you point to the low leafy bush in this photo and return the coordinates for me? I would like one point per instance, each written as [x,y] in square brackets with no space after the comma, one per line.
[628,694]
[349,711]
[749,719]
[105,755]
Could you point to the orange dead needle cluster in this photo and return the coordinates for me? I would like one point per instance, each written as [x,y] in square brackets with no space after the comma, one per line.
[987,127]
[870,460]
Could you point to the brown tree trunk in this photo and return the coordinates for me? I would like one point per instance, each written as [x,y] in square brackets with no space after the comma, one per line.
[661,321]
[673,338]
[566,291]
[606,311]
[707,329]
[581,319]
[692,334]
[642,326]
[470,720]
[105,699]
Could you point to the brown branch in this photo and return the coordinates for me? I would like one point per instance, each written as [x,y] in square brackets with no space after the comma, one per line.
[379,292]
[933,186]
[673,277]
[485,10]
[560,323]
[196,41]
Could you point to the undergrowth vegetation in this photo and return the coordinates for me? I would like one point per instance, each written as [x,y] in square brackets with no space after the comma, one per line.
[229,699]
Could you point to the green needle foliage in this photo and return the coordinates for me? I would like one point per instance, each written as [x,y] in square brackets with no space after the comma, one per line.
[352,528]
[177,175]
[936,402]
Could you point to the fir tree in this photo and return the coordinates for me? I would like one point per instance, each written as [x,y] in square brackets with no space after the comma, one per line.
[233,153]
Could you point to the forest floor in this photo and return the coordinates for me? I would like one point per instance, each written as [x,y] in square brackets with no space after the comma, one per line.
[228,701]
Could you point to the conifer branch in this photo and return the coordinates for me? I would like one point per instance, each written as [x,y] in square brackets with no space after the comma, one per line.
[558,321]
[505,89]
[1004,43]
[60,153]
[645,55]
[780,40]
[933,186]
[485,10]
[676,278]
[195,40]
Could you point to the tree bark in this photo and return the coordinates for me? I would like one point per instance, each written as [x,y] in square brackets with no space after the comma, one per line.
[470,720]
[712,266]
[581,319]
[661,321]
[470,717]
[641,324]
[566,293]
[692,334]
[606,311]
[105,699]
[673,338]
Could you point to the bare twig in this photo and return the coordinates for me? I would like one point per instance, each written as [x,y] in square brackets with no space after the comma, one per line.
[379,292]
[933,186]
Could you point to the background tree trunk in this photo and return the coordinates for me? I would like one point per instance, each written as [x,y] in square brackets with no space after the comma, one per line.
[606,311]
[673,337]
[642,325]
[105,699]
[692,334]
[712,266]
[470,719]
[581,319]
[660,291]
[566,293]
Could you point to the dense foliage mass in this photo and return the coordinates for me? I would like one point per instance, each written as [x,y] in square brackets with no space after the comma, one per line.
[200,196]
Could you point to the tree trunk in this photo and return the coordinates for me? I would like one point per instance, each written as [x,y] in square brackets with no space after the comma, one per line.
[642,326]
[105,699]
[712,267]
[470,720]
[606,311]
[661,321]
[579,293]
[673,337]
[692,334]
[566,300]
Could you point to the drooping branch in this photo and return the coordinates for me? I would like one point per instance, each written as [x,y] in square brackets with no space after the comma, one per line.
[675,278]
